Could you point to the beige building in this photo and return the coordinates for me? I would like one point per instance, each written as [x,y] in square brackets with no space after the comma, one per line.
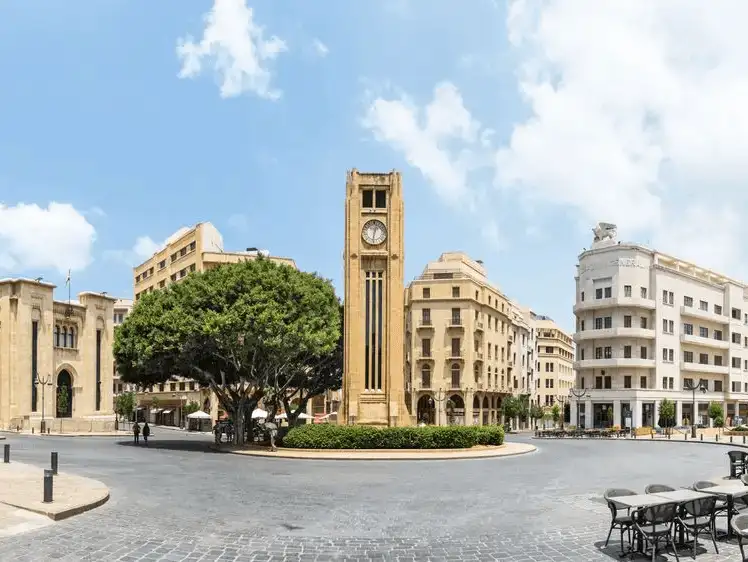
[373,385]
[187,250]
[555,363]
[461,349]
[55,358]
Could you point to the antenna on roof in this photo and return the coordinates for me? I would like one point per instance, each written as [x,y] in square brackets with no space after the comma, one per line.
[39,279]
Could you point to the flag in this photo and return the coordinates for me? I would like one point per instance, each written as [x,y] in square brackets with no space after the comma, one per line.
[67,279]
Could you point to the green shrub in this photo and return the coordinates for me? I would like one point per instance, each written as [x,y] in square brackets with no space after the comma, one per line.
[331,436]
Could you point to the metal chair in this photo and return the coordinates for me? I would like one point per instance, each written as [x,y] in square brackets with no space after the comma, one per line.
[620,521]
[720,508]
[740,528]
[655,523]
[737,463]
[696,517]
[744,479]
[657,488]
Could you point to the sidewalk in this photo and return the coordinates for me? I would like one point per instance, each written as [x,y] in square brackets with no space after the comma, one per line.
[22,486]
[66,434]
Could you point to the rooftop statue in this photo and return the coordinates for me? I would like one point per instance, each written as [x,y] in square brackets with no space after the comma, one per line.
[604,231]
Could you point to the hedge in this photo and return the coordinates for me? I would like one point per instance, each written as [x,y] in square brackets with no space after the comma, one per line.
[332,436]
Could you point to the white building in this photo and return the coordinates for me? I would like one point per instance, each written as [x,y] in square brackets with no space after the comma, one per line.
[648,326]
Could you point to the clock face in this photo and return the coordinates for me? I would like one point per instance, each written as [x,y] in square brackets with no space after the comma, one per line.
[374,232]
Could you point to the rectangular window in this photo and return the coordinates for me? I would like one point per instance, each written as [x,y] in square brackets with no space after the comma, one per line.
[456,320]
[627,381]
[664,354]
[703,332]
[718,360]
[688,356]
[426,317]
[598,293]
[581,296]
[718,309]
[736,362]
[627,352]
[643,382]
[608,322]
[373,330]
[426,292]
[455,347]
[703,305]
[627,321]
[643,352]
[598,383]
[455,292]
[643,322]
[717,386]
[367,199]
[664,297]
[608,352]
[737,314]
[688,301]
[98,370]
[664,326]
[608,382]
[703,359]
[380,199]
[608,292]
[598,353]
[735,336]
[670,357]
[34,363]
[627,290]
[598,323]
[688,329]
[644,292]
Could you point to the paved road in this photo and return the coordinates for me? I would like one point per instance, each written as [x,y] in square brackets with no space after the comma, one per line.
[177,500]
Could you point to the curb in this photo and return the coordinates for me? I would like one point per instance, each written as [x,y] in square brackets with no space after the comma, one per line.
[60,515]
[63,434]
[645,440]
[382,455]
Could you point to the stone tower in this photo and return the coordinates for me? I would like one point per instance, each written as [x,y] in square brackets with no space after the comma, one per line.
[373,375]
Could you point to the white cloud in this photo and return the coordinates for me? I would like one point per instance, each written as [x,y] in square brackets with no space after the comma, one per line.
[636,117]
[33,238]
[237,49]
[320,48]
[143,248]
[426,137]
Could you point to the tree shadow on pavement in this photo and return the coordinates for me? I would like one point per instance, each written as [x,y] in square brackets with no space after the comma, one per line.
[173,445]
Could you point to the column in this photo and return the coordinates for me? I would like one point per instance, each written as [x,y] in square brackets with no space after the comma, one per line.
[574,416]
[656,414]
[678,412]
[616,412]
[636,413]
[469,407]
[588,416]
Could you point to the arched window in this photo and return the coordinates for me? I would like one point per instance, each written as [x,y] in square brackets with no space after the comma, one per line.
[426,377]
[64,336]
[476,373]
[455,375]
[72,337]
[57,335]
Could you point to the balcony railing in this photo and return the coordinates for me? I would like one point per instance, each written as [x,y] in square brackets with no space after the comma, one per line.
[479,326]
[424,354]
[425,323]
[479,355]
[455,353]
[455,322]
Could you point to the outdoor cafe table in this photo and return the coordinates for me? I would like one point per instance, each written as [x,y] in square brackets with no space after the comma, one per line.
[730,492]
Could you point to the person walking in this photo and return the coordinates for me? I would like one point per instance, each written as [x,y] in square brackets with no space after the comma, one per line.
[146,433]
[136,433]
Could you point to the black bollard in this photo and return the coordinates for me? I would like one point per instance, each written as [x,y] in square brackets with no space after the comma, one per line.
[702,436]
[48,480]
[54,463]
[6,454]
[32,430]
[716,437]
[730,438]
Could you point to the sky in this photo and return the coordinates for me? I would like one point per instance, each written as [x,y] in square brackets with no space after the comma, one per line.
[517,126]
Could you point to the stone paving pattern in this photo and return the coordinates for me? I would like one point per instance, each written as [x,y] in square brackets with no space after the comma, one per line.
[177,500]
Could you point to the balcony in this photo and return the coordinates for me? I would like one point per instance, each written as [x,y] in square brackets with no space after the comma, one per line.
[424,355]
[479,356]
[690,312]
[613,302]
[631,362]
[703,368]
[510,339]
[425,324]
[455,323]
[634,333]
[455,354]
[479,326]
[707,342]
[510,363]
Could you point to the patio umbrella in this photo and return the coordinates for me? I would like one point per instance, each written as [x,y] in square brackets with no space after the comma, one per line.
[199,415]
[259,414]
[281,416]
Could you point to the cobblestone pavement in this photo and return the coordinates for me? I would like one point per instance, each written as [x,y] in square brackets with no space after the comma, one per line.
[176,500]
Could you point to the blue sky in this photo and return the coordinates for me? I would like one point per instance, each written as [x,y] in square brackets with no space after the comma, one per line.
[508,151]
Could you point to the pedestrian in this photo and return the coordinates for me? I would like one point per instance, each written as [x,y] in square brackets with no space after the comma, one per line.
[136,433]
[146,433]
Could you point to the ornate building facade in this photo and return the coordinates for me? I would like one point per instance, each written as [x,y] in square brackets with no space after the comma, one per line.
[55,359]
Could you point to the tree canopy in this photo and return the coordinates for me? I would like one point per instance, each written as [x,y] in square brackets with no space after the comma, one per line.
[245,330]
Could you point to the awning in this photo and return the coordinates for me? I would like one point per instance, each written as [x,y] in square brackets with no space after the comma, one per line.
[166,412]
[199,415]
[156,411]
[259,414]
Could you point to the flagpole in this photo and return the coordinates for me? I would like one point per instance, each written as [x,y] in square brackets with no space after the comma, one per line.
[69,310]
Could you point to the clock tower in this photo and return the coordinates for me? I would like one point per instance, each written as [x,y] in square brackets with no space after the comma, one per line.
[374,359]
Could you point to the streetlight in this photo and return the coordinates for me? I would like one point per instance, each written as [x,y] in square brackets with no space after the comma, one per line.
[689,385]
[578,393]
[184,417]
[43,382]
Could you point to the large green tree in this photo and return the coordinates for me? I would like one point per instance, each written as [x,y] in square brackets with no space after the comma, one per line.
[241,329]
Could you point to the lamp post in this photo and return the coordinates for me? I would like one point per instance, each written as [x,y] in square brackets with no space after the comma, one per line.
[689,385]
[578,393]
[43,382]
